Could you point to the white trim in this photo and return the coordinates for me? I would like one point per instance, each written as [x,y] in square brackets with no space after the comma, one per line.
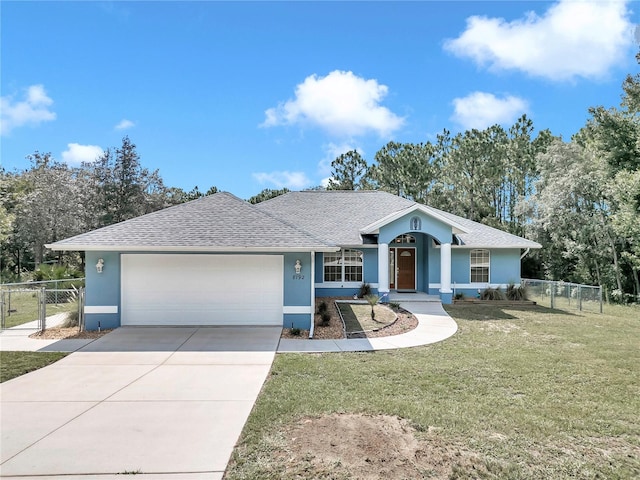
[375,226]
[481,286]
[313,294]
[292,310]
[141,249]
[344,284]
[101,309]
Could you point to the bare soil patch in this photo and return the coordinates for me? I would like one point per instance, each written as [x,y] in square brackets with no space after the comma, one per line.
[367,447]
[62,333]
[404,323]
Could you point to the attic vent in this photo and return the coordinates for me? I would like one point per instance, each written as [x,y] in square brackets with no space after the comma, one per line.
[415,223]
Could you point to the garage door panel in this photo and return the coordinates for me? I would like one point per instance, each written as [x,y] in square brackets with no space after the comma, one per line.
[202,289]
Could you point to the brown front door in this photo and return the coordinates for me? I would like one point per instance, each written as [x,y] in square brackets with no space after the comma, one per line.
[406,260]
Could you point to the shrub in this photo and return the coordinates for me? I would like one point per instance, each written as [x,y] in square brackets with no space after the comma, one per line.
[365,289]
[326,318]
[295,332]
[372,300]
[323,307]
[491,294]
[394,305]
[458,296]
[516,292]
[71,320]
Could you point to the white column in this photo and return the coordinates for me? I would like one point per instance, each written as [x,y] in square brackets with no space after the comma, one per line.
[312,274]
[445,268]
[383,268]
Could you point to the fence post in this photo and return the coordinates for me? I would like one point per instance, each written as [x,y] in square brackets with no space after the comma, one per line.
[600,295]
[43,309]
[553,294]
[81,309]
[2,310]
[579,298]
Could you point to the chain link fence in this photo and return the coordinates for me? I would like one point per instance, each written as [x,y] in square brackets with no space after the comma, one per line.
[564,295]
[38,305]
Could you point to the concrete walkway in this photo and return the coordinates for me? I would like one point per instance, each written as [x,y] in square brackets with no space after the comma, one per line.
[434,325]
[164,402]
[17,339]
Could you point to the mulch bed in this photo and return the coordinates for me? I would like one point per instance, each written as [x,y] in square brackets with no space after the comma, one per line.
[62,333]
[405,322]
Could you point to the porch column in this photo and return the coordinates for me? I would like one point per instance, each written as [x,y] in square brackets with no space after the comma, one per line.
[446,294]
[383,269]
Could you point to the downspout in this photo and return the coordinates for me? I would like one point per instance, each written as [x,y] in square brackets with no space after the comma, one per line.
[313,293]
[525,253]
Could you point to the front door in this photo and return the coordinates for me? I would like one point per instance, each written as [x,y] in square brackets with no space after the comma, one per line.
[406,268]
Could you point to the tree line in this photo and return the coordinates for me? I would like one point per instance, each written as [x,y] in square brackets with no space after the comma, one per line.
[580,198]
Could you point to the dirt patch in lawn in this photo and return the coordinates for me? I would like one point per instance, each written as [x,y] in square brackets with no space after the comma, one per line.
[370,447]
[334,330]
[62,333]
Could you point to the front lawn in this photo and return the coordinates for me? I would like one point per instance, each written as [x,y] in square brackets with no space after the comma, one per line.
[518,393]
[14,364]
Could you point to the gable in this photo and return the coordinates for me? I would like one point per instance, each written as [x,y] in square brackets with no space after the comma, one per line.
[415,221]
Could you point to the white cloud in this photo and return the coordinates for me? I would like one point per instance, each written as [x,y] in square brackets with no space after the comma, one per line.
[32,110]
[481,110]
[124,124]
[333,151]
[282,179]
[571,39]
[341,103]
[76,154]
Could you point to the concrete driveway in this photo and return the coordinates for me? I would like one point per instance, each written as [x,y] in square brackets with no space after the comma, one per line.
[163,402]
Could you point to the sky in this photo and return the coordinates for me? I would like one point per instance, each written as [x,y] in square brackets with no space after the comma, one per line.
[252,95]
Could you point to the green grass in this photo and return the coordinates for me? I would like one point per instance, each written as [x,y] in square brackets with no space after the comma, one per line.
[14,364]
[357,317]
[534,393]
[24,307]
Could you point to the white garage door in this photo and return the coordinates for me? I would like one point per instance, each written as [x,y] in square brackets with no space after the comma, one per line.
[160,289]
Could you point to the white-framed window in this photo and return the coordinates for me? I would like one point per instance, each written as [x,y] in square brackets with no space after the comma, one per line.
[480,261]
[404,238]
[343,266]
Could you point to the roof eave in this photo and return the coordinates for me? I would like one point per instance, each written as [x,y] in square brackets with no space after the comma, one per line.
[187,249]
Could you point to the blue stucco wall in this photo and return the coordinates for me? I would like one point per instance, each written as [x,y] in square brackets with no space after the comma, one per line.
[297,288]
[102,289]
[504,268]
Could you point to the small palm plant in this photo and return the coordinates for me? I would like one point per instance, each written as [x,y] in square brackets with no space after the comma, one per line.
[373,301]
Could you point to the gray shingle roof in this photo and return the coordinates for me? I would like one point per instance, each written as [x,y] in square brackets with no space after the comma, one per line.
[338,217]
[217,222]
[335,215]
[311,220]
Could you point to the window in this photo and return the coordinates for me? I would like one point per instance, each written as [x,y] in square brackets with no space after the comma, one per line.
[343,266]
[405,238]
[480,260]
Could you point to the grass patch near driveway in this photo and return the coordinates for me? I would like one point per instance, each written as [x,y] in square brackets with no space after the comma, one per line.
[22,307]
[518,393]
[357,316]
[14,364]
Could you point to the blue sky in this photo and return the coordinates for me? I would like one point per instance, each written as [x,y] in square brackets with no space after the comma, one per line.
[254,95]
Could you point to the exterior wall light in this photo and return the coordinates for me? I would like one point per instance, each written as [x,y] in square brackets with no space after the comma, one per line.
[100,265]
[298,267]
